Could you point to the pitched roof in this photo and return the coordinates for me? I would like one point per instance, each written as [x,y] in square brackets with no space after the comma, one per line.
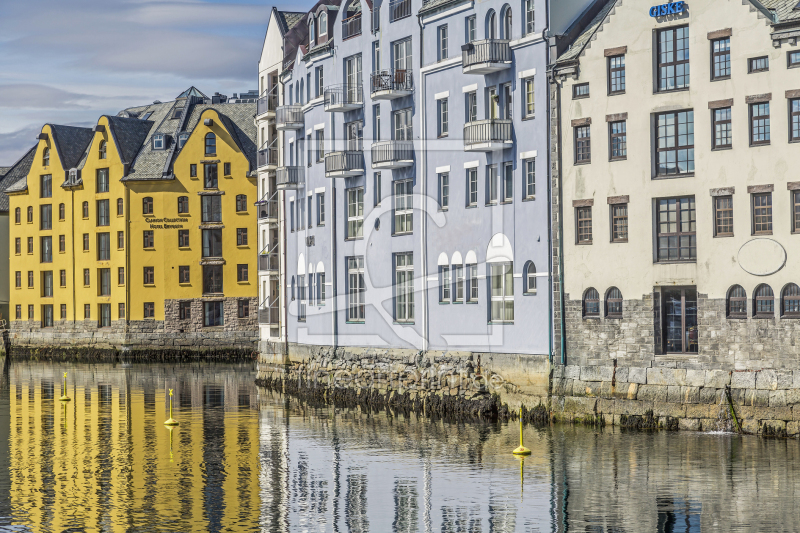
[192,91]
[16,178]
[238,120]
[128,134]
[786,10]
[3,171]
[289,19]
[149,164]
[71,143]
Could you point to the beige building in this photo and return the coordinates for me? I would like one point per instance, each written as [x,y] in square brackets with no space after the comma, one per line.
[678,189]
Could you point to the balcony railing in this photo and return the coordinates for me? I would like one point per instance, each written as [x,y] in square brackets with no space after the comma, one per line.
[270,314]
[487,135]
[290,177]
[268,157]
[392,154]
[289,117]
[486,56]
[391,83]
[267,103]
[343,97]
[343,164]
[399,9]
[351,26]
[268,208]
[268,262]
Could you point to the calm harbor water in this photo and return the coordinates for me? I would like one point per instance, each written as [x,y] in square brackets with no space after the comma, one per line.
[245,459]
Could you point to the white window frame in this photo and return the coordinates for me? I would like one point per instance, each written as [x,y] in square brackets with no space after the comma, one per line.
[444,191]
[403,207]
[404,287]
[458,277]
[472,187]
[356,289]
[376,188]
[530,178]
[529,99]
[443,127]
[530,17]
[491,184]
[323,24]
[472,281]
[355,213]
[508,182]
[502,292]
[320,209]
[444,284]
[441,41]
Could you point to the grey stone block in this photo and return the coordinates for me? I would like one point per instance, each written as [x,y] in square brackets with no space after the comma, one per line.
[572,372]
[695,378]
[652,393]
[785,380]
[621,374]
[792,396]
[711,395]
[718,379]
[767,380]
[637,375]
[743,380]
[597,373]
[777,398]
[666,376]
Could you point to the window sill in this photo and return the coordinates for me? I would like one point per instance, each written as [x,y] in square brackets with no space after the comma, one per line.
[474,206]
[790,317]
[614,317]
[211,155]
[763,317]
[458,302]
[591,318]
[529,199]
[444,303]
[723,235]
[584,243]
[443,136]
[396,323]
[720,78]
[618,159]
[473,303]
[529,293]
[320,225]
[501,322]
[241,246]
[576,163]
[682,89]
[761,233]
[619,241]
[402,234]
[673,176]
[529,117]
[443,209]
[354,322]
[348,239]
[506,202]
[615,93]
[243,282]
[736,317]
[678,262]
[722,148]
[757,71]
[581,97]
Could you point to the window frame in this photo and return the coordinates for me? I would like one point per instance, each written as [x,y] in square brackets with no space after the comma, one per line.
[529,98]
[403,287]
[403,207]
[675,63]
[529,177]
[757,298]
[583,224]
[472,187]
[444,284]
[354,222]
[356,290]
[794,119]
[210,146]
[619,222]
[795,312]
[752,62]
[444,191]
[577,91]
[590,297]
[795,199]
[615,73]
[727,121]
[751,108]
[720,220]
[611,300]
[582,147]
[441,43]
[614,142]
[721,54]
[442,118]
[674,145]
[679,233]
[506,292]
[758,228]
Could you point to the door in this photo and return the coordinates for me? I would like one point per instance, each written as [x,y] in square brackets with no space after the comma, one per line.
[353,76]
[507,105]
[402,125]
[680,320]
[354,132]
[494,104]
[402,55]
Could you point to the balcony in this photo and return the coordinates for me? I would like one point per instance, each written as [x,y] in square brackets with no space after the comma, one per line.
[351,26]
[268,262]
[269,315]
[267,104]
[391,83]
[290,178]
[343,97]
[399,9]
[487,135]
[268,159]
[289,117]
[268,209]
[344,164]
[392,154]
[486,56]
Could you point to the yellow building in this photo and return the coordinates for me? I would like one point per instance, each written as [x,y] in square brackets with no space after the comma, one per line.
[136,233]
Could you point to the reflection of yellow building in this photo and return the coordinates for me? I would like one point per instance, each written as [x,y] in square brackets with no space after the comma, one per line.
[139,229]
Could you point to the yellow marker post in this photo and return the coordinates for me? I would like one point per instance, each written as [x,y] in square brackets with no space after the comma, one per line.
[171,421]
[64,397]
[522,450]
[170,442]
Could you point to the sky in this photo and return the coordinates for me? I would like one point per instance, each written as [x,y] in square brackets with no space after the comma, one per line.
[70,61]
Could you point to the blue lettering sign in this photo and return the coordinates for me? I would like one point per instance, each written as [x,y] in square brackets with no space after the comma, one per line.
[672,8]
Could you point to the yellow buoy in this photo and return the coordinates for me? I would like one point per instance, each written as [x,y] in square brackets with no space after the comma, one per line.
[171,421]
[522,450]
[64,397]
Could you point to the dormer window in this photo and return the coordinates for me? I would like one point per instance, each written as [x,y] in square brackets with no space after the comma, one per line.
[158,141]
[102,150]
[323,24]
[46,157]
[311,32]
[147,115]
[177,113]
[73,175]
[182,138]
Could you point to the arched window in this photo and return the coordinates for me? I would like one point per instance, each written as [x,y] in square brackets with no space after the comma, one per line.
[764,302]
[17,216]
[591,303]
[62,211]
[46,157]
[323,24]
[491,25]
[85,208]
[737,302]
[791,301]
[147,205]
[613,303]
[507,24]
[311,38]
[528,21]
[183,204]
[211,144]
[529,278]
[102,150]
[120,207]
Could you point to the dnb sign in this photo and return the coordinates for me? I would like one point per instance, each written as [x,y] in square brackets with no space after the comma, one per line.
[673,8]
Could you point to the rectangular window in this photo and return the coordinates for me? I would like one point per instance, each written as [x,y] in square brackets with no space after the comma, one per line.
[583,225]
[212,279]
[376,122]
[442,42]
[762,214]
[677,237]
[309,150]
[103,246]
[470,26]
[226,168]
[502,283]
[149,275]
[458,277]
[673,59]
[291,216]
[472,291]
[103,213]
[47,316]
[404,287]
[121,276]
[18,245]
[793,59]
[320,146]
[241,236]
[723,137]
[619,140]
[18,311]
[355,213]
[795,211]
[184,310]
[309,211]
[121,310]
[183,274]
[376,189]
[30,243]
[18,279]
[243,308]
[47,284]
[148,238]
[619,223]
[30,312]
[212,243]
[680,320]
[149,310]
[758,64]
[402,125]
[356,289]
[211,208]
[320,81]
[759,123]
[102,180]
[794,119]
[86,277]
[442,124]
[46,244]
[471,102]
[193,171]
[723,216]
[508,182]
[213,314]
[491,185]
[583,144]
[320,209]
[529,16]
[210,181]
[87,311]
[444,284]
[444,190]
[46,189]
[721,56]
[46,217]
[62,243]
[183,238]
[63,311]
[580,90]
[242,273]
[403,207]
[616,74]
[472,187]
[675,143]
[529,108]
[530,178]
[104,282]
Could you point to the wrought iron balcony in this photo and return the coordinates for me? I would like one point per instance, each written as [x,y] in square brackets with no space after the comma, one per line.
[487,135]
[290,178]
[344,164]
[351,26]
[267,104]
[268,159]
[392,154]
[268,209]
[343,97]
[486,56]
[391,83]
[289,117]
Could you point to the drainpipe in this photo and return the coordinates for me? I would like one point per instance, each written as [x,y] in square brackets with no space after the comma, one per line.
[423,189]
[560,228]
[334,273]
[72,222]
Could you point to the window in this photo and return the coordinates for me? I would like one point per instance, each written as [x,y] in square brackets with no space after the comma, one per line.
[529,16]
[759,123]
[182,138]
[308,155]
[471,102]
[472,283]
[356,289]
[30,312]
[529,165]
[147,205]
[677,239]
[46,244]
[402,125]
[241,272]
[722,128]
[149,240]
[120,210]
[723,216]
[226,169]
[458,276]
[18,279]
[86,277]
[619,140]
[502,283]
[18,246]
[62,278]
[243,308]
[46,157]
[46,217]
[529,108]
[794,119]
[737,302]
[19,312]
[508,182]
[46,189]
[212,279]
[17,215]
[793,59]
[212,243]
[241,203]
[721,57]
[376,122]
[63,311]
[790,296]
[184,310]
[619,223]
[404,287]
[103,246]
[403,207]
[183,238]
[62,210]
[320,78]
[323,24]
[583,217]
[795,211]
[104,281]
[211,144]
[85,242]
[444,284]
[149,275]
[121,240]
[241,236]
[193,171]
[30,279]
[103,213]
[758,64]
[30,213]
[675,143]
[616,74]
[302,298]
[210,180]
[183,274]
[442,41]
[583,145]
[149,310]
[580,90]
[591,303]
[321,208]
[30,245]
[355,213]
[529,278]
[211,208]
[183,204]
[85,210]
[158,141]
[102,180]
[613,303]
[472,187]
[320,146]
[763,302]
[121,276]
[442,124]
[444,190]
[291,215]
[491,185]
[470,26]
[310,210]
[673,59]
[762,214]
